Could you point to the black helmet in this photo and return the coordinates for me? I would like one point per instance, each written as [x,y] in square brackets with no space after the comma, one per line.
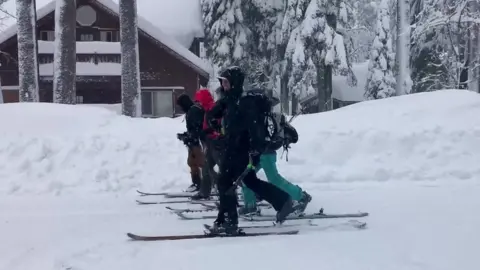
[234,75]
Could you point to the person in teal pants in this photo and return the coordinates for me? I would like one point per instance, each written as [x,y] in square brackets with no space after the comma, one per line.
[268,162]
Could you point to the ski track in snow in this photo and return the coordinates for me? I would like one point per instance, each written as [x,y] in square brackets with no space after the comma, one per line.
[89,233]
[68,176]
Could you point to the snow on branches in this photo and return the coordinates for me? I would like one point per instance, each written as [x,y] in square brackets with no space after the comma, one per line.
[381,80]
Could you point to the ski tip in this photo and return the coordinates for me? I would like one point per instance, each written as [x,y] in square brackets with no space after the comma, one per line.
[180,215]
[133,236]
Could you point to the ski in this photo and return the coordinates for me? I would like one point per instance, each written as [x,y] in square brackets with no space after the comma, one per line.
[187,210]
[183,195]
[183,215]
[180,201]
[305,223]
[270,226]
[150,194]
[259,204]
[206,235]
[203,202]
[166,202]
[319,215]
[208,208]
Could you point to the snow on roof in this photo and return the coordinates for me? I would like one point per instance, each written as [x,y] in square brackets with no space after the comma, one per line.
[86,69]
[344,92]
[12,29]
[181,19]
[143,24]
[186,14]
[83,47]
[168,41]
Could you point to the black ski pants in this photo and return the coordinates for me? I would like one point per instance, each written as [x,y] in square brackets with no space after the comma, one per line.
[232,166]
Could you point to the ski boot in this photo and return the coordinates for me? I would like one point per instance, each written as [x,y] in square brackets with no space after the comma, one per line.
[192,188]
[288,208]
[303,202]
[227,226]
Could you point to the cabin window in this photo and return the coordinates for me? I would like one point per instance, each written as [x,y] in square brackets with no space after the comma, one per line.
[202,52]
[147,103]
[157,102]
[47,35]
[86,37]
[86,16]
[116,37]
[106,36]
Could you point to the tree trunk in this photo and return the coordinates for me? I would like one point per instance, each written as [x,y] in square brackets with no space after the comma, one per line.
[403,48]
[64,77]
[1,92]
[328,79]
[285,95]
[27,52]
[321,84]
[131,102]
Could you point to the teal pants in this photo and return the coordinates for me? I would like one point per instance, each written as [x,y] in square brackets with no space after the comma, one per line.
[268,162]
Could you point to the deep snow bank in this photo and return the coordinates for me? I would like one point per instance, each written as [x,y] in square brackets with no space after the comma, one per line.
[425,136]
[60,148]
[50,148]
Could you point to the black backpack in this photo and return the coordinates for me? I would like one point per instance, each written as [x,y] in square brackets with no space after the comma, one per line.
[279,131]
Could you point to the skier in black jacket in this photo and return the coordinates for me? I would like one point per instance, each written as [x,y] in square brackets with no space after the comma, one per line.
[245,136]
[194,116]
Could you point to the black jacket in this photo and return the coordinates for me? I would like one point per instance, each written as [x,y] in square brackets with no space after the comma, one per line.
[194,116]
[243,124]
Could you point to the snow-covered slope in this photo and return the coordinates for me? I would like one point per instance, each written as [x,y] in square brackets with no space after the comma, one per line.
[411,162]
[49,148]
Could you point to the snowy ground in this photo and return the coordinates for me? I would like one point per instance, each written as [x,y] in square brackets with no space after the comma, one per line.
[68,175]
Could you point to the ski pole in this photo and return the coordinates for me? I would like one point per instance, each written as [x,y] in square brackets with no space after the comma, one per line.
[239,180]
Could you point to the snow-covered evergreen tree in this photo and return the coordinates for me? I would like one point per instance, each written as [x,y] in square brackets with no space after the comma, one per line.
[443,54]
[297,74]
[65,52]
[131,89]
[381,80]
[264,17]
[317,41]
[361,34]
[27,52]
[226,35]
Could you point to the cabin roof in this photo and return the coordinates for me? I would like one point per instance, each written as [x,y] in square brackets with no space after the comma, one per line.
[150,30]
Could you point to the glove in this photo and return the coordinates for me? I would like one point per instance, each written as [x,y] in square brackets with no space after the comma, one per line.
[182,136]
[254,158]
[186,139]
[215,124]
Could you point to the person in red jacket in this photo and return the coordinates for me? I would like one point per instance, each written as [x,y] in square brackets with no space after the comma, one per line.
[212,148]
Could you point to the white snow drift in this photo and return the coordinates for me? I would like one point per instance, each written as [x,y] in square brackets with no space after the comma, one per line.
[362,157]
[50,148]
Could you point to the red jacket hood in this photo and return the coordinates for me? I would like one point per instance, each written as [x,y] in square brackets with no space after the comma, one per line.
[205,98]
